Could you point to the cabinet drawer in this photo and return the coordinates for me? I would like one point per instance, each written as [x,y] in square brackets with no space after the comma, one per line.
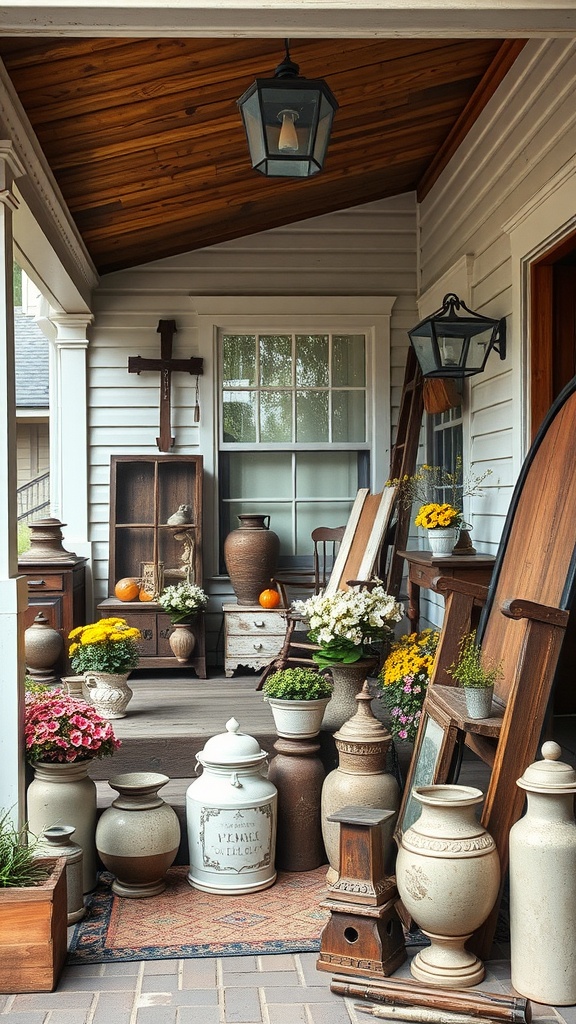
[41,582]
[253,647]
[255,624]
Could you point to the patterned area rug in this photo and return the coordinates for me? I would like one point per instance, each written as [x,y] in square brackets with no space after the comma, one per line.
[182,922]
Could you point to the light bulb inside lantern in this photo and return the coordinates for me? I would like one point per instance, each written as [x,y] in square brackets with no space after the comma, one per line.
[288,140]
[449,353]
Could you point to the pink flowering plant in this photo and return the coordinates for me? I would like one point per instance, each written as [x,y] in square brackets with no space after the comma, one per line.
[404,680]
[59,728]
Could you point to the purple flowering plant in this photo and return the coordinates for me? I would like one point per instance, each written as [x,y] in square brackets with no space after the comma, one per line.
[404,680]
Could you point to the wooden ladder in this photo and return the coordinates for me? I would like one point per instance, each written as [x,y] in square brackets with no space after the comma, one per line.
[403,462]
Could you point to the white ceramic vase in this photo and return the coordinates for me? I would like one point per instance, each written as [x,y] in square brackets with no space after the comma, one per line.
[448,877]
[138,835]
[109,692]
[298,719]
[478,701]
[64,794]
[441,540]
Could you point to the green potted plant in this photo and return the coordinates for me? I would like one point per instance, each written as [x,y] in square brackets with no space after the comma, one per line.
[476,676]
[298,699]
[33,913]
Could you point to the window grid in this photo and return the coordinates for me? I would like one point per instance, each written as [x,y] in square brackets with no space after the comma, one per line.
[295,389]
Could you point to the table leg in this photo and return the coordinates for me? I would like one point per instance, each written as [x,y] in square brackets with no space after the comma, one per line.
[413,609]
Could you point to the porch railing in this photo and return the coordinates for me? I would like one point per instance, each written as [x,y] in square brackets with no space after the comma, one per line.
[33,498]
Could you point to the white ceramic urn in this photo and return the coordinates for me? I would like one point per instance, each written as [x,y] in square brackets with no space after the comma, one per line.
[231,814]
[448,877]
[543,884]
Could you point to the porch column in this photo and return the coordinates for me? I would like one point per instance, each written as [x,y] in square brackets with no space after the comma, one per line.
[69,427]
[13,590]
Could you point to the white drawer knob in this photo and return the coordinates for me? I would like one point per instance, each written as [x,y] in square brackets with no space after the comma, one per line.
[257,647]
[259,622]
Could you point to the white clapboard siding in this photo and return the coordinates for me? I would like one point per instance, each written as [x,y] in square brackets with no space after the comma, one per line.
[369,250]
[523,137]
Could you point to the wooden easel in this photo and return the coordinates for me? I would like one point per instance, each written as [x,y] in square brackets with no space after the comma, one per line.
[521,628]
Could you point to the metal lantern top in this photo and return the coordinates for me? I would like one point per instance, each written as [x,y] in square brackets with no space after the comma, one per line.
[288,120]
[453,344]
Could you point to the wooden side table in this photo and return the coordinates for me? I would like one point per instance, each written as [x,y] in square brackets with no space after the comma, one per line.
[424,568]
[253,636]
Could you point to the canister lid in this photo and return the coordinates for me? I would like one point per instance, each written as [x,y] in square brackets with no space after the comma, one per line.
[550,775]
[232,747]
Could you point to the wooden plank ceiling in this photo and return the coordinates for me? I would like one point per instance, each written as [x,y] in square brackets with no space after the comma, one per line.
[146,143]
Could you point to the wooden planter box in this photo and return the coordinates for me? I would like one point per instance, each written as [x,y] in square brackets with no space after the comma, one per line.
[33,933]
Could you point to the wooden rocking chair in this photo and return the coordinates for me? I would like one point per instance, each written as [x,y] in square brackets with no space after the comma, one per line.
[355,563]
[521,628]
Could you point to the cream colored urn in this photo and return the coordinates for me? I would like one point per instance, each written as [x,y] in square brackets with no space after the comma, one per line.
[543,884]
[448,877]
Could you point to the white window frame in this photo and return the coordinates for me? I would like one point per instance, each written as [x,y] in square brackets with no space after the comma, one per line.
[244,314]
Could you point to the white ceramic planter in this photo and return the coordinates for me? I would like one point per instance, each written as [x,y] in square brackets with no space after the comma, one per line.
[478,701]
[300,719]
[441,541]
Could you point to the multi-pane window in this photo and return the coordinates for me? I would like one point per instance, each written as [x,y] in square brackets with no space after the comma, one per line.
[294,439]
[445,446]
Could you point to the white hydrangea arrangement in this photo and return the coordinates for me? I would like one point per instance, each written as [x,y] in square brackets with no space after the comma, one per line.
[183,601]
[345,623]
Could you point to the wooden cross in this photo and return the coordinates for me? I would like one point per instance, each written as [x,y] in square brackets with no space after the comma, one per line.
[166,365]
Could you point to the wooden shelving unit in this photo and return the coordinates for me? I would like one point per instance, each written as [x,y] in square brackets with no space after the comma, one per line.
[145,492]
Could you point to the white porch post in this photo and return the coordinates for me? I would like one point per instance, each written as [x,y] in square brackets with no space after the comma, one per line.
[69,427]
[13,590]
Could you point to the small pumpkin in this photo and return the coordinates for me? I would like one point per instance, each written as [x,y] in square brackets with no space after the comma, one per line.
[145,595]
[127,589]
[269,598]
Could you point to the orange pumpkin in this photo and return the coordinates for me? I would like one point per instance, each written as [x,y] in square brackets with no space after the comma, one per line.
[269,598]
[145,595]
[127,589]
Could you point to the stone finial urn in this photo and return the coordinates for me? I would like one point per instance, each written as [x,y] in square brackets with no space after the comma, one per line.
[361,778]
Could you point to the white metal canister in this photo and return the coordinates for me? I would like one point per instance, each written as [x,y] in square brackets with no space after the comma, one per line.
[231,816]
[543,884]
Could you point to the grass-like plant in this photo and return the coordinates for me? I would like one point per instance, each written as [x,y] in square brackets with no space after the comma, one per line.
[297,684]
[471,668]
[18,852]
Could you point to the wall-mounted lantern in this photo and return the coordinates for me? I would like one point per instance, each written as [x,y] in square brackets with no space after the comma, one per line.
[451,345]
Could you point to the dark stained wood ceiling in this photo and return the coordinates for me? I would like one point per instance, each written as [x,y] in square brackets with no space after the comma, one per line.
[147,146]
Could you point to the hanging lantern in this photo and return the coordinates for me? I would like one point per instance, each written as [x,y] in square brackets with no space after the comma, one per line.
[451,345]
[287,120]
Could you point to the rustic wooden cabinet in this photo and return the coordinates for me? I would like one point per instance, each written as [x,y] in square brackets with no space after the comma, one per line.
[146,491]
[58,590]
[253,636]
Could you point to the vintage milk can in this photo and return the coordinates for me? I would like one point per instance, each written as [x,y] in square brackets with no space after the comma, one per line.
[543,883]
[231,816]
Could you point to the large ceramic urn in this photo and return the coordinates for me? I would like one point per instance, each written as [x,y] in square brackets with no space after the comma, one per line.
[251,556]
[448,877]
[138,835]
[543,884]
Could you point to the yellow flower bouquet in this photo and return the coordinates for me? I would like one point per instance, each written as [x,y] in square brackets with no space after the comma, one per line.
[110,645]
[438,517]
[404,679]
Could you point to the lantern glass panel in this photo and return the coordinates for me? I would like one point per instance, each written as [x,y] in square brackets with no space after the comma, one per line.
[253,125]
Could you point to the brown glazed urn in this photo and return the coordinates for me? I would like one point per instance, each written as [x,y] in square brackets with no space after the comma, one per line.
[298,775]
[251,556]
